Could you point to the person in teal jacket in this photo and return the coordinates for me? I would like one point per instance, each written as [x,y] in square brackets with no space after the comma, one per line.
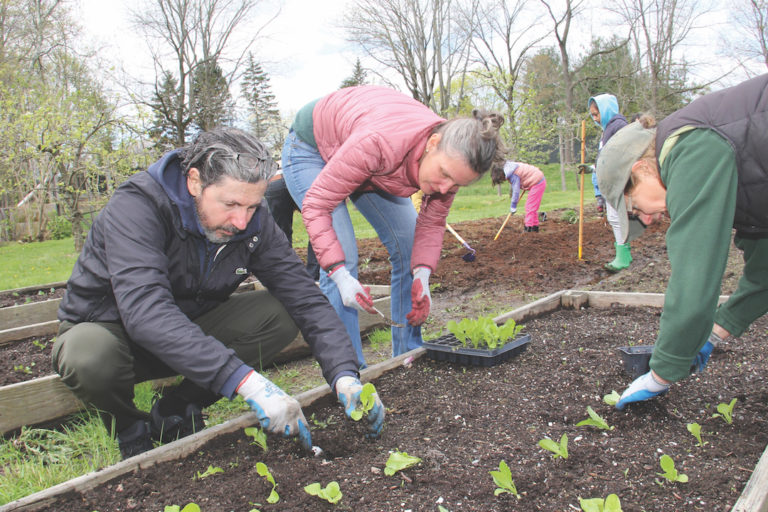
[706,168]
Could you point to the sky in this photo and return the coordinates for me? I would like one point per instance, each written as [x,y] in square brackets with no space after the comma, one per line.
[305,56]
[305,53]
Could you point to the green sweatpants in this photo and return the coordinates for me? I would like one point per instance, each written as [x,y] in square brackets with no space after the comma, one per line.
[750,300]
[100,364]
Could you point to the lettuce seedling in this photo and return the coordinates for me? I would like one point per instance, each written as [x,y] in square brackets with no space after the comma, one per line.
[262,470]
[670,473]
[398,461]
[484,332]
[367,402]
[558,449]
[189,507]
[259,437]
[612,398]
[208,472]
[503,479]
[725,411]
[695,430]
[610,504]
[331,493]
[594,420]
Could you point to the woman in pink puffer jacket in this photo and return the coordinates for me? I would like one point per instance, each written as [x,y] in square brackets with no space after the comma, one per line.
[377,146]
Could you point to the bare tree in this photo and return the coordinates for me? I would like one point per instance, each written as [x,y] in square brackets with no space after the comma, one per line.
[561,30]
[501,40]
[659,30]
[419,39]
[191,33]
[752,40]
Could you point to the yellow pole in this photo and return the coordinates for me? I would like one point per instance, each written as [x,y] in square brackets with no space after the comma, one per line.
[581,195]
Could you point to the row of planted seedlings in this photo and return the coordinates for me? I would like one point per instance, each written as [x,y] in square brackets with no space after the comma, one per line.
[503,479]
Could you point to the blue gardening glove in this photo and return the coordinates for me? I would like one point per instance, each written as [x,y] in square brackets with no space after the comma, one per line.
[348,390]
[353,294]
[421,300]
[278,412]
[702,358]
[642,388]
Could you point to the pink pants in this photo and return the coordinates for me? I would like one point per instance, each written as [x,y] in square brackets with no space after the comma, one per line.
[533,202]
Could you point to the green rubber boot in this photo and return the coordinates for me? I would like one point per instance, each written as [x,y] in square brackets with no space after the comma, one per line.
[622,260]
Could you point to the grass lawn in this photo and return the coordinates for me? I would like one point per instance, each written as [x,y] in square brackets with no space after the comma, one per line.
[28,264]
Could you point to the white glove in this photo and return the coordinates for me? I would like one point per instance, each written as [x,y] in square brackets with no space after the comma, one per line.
[642,388]
[353,294]
[348,390]
[278,412]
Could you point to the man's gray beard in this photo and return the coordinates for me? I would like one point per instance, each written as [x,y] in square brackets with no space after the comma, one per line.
[216,239]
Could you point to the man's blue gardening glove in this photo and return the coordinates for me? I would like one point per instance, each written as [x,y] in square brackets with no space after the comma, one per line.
[277,411]
[642,388]
[702,358]
[353,294]
[348,390]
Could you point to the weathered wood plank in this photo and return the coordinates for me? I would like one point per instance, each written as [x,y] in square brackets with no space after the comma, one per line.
[35,401]
[25,314]
[754,497]
[536,308]
[605,299]
[27,331]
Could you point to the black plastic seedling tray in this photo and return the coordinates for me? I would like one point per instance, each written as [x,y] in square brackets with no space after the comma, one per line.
[636,359]
[448,348]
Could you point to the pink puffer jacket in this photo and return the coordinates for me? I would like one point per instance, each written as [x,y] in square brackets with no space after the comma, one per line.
[372,139]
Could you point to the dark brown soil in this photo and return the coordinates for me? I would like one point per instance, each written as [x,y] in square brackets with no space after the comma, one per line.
[15,298]
[462,421]
[26,359]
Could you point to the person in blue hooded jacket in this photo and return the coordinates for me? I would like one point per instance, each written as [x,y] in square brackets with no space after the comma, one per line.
[604,111]
[151,296]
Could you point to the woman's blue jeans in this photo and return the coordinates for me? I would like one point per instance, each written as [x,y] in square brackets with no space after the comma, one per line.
[393,218]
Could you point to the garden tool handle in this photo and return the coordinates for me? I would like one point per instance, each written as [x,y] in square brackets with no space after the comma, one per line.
[454,233]
[502,226]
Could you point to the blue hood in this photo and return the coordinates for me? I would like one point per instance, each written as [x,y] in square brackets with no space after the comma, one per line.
[167,172]
[607,105]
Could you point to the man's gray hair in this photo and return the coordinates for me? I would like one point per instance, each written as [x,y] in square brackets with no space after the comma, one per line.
[228,152]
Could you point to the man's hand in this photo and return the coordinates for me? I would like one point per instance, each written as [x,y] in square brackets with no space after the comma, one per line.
[642,388]
[353,294]
[278,412]
[421,300]
[702,358]
[348,390]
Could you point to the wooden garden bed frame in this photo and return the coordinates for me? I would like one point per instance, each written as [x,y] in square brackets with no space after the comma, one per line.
[754,498]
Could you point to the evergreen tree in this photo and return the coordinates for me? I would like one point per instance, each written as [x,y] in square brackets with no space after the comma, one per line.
[165,102]
[358,76]
[263,113]
[211,103]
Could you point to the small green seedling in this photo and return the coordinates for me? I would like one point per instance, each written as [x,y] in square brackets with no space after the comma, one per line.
[398,461]
[262,470]
[725,411]
[331,493]
[594,420]
[320,423]
[558,449]
[441,508]
[503,479]
[259,437]
[670,473]
[695,430]
[190,507]
[23,368]
[208,472]
[367,401]
[612,398]
[610,504]
[40,344]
